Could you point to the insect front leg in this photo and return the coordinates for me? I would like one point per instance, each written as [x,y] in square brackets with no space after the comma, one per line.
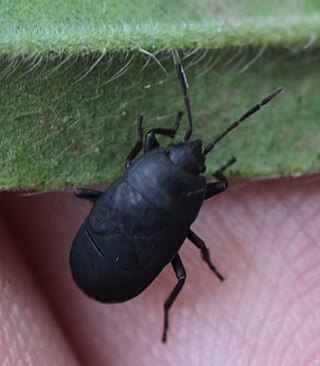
[151,141]
[214,188]
[181,276]
[199,243]
[88,193]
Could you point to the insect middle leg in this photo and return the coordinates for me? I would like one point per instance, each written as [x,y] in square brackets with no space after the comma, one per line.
[214,188]
[151,142]
[181,276]
[199,243]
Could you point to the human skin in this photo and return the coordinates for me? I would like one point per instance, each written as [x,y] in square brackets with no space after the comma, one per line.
[264,236]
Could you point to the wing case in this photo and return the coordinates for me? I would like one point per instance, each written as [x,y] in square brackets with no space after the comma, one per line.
[135,228]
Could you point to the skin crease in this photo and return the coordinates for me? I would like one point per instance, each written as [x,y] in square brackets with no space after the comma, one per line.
[263,236]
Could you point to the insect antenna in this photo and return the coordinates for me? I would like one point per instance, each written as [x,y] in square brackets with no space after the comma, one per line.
[184,88]
[236,123]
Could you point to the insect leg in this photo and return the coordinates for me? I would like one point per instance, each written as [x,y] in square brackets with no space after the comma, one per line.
[151,142]
[88,193]
[181,276]
[199,243]
[214,188]
[138,146]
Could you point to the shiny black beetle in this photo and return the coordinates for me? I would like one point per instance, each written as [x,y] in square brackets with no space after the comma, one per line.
[138,224]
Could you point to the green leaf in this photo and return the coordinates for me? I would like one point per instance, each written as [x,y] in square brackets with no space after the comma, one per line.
[75,74]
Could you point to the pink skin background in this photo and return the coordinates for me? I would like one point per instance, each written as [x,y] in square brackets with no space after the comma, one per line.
[264,237]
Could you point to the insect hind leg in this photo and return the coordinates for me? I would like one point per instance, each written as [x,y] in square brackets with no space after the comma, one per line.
[181,276]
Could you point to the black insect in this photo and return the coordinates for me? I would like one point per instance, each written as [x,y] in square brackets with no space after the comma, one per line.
[139,223]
